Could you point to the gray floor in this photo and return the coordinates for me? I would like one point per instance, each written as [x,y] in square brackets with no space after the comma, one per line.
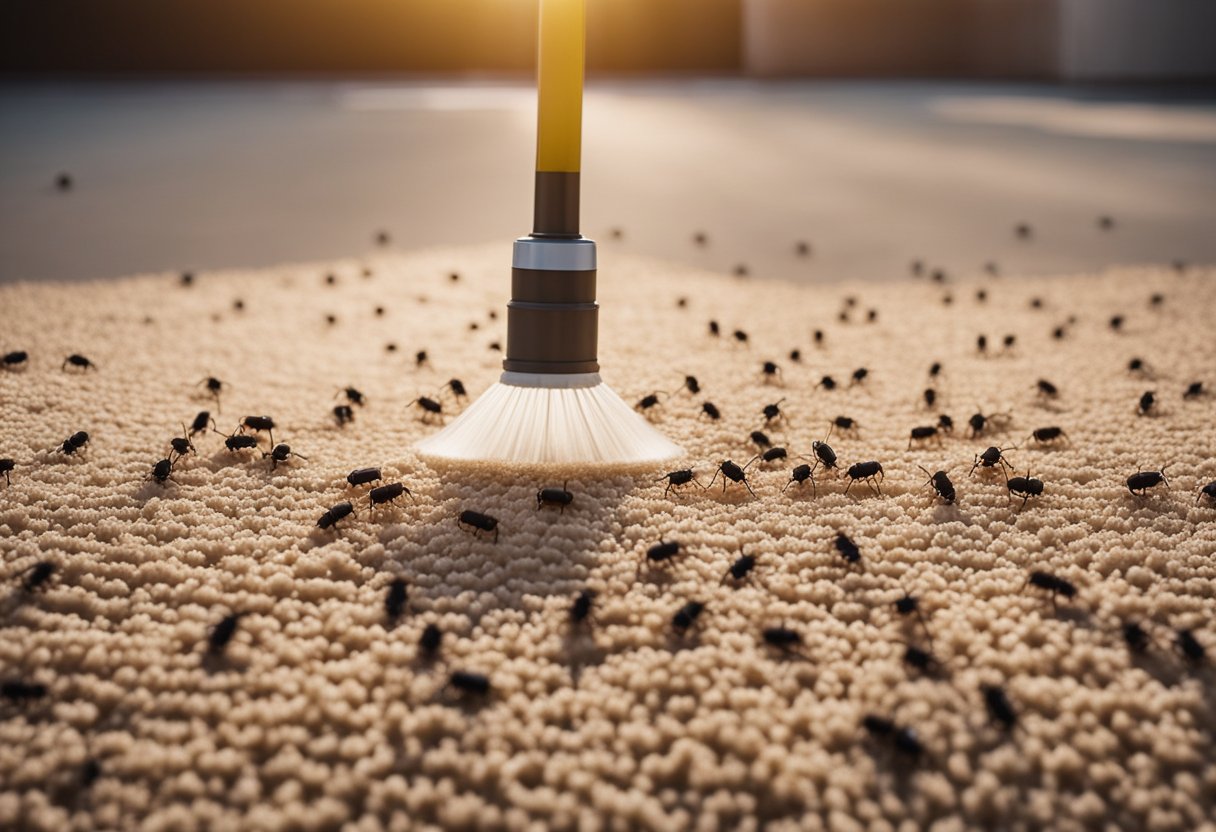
[200,175]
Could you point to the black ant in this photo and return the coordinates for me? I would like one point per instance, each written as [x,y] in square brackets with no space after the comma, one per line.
[469,683]
[846,424]
[430,640]
[181,445]
[201,422]
[1046,435]
[1116,322]
[558,497]
[800,474]
[772,455]
[730,471]
[981,344]
[1194,390]
[691,385]
[1135,637]
[335,514]
[662,551]
[990,458]
[257,424]
[15,359]
[741,567]
[940,481]
[770,371]
[796,356]
[238,441]
[935,369]
[979,423]
[38,575]
[903,740]
[1147,400]
[1208,490]
[818,337]
[353,396]
[686,616]
[429,408]
[1026,486]
[222,633]
[772,412]
[847,548]
[647,402]
[740,336]
[827,383]
[394,601]
[1142,481]
[15,690]
[909,605]
[581,608]
[161,472]
[924,433]
[75,442]
[930,398]
[214,387]
[1009,342]
[6,467]
[711,410]
[824,453]
[919,658]
[1189,647]
[78,361]
[1052,584]
[457,388]
[945,424]
[382,494]
[421,358]
[999,707]
[280,453]
[714,329]
[760,438]
[675,479]
[782,638]
[343,414]
[1046,390]
[478,522]
[866,471]
[362,476]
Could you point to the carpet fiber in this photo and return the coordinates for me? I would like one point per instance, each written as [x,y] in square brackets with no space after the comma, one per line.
[321,713]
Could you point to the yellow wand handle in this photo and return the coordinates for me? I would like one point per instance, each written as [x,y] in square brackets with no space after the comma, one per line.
[559,126]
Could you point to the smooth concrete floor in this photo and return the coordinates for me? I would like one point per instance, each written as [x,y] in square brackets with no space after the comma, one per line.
[177,175]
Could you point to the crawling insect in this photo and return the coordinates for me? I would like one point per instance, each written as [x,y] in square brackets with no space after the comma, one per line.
[760,438]
[1193,390]
[78,361]
[691,385]
[714,329]
[353,396]
[930,398]
[201,422]
[686,616]
[770,371]
[214,388]
[1000,709]
[394,601]
[1189,647]
[581,608]
[919,658]
[796,356]
[181,445]
[865,471]
[280,453]
[1135,637]
[945,424]
[1116,322]
[1026,486]
[75,442]
[239,442]
[1052,584]
[1046,435]
[478,523]
[421,358]
[800,474]
[343,414]
[711,410]
[740,336]
[161,472]
[362,476]
[902,739]
[772,412]
[922,434]
[935,369]
[257,424]
[773,454]
[818,337]
[847,548]
[429,407]
[336,513]
[15,359]
[469,683]
[845,424]
[990,458]
[646,402]
[676,479]
[860,374]
[16,690]
[730,471]
[824,454]
[457,388]
[430,640]
[6,467]
[1142,481]
[827,383]
[1046,390]
[910,605]
[1208,490]
[222,633]
[981,344]
[37,575]
[1147,400]
[741,567]
[940,481]
[782,638]
[558,497]
[386,494]
[978,423]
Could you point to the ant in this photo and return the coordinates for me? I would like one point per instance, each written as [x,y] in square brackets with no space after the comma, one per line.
[429,408]
[6,467]
[1116,322]
[999,707]
[79,361]
[1053,584]
[796,356]
[75,442]
[457,388]
[257,424]
[1046,435]
[343,414]
[1142,481]
[866,471]
[924,433]
[991,458]
[818,337]
[847,548]
[238,441]
[201,422]
[930,397]
[761,439]
[559,497]
[161,472]
[903,740]
[981,344]
[740,337]
[430,640]
[919,658]
[421,358]
[824,453]
[691,385]
[581,608]
[394,601]
[15,690]
[846,424]
[335,514]
[469,683]
[382,494]
[1026,486]
[478,522]
[38,575]
[772,412]
[945,424]
[711,410]
[181,445]
[362,476]
[772,455]
[935,369]
[1147,400]
[1190,647]
[827,383]
[714,329]
[1208,490]
[686,616]
[940,481]
[1046,390]
[800,474]
[675,479]
[646,402]
[783,639]
[741,567]
[771,372]
[353,396]
[15,359]
[730,471]
[979,423]
[1135,637]
[1194,390]
[214,388]
[222,633]
[908,605]
[280,453]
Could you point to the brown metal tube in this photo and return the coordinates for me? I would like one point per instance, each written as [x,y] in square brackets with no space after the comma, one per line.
[555,207]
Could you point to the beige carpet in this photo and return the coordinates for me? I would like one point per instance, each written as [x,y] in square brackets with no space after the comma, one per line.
[322,715]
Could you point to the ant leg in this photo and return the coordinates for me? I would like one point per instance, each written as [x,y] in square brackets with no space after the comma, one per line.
[748,487]
[850,485]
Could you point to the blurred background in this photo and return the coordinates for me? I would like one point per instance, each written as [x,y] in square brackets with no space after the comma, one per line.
[144,135]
